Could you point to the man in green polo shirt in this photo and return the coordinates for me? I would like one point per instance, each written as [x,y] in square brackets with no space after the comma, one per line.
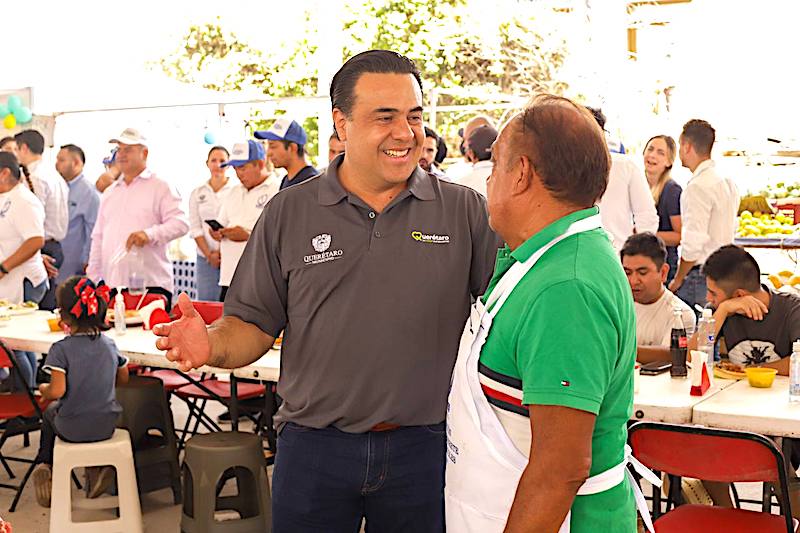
[555,349]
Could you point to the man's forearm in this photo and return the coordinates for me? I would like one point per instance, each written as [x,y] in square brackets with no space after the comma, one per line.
[651,354]
[236,343]
[684,267]
[26,250]
[781,366]
[544,497]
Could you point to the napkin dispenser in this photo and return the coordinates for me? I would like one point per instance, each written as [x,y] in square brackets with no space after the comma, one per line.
[701,377]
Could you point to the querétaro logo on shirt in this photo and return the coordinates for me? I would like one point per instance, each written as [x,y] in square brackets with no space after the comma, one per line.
[430,238]
[321,244]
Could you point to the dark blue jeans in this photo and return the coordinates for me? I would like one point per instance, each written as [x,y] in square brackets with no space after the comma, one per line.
[326,480]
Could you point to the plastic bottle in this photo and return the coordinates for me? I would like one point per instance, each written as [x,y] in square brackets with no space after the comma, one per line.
[706,339]
[678,345]
[119,313]
[136,281]
[794,373]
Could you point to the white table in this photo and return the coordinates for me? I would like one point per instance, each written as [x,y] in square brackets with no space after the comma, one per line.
[662,398]
[745,408]
[31,333]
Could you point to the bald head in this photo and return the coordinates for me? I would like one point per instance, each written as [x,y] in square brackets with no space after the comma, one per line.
[565,146]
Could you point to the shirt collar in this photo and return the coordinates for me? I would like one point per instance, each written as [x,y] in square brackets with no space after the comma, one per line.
[708,163]
[33,165]
[331,191]
[74,181]
[544,236]
[145,174]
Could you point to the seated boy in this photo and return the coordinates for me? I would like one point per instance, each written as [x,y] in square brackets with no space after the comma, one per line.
[644,259]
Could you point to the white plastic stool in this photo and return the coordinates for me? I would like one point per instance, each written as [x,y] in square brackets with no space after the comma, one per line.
[116,452]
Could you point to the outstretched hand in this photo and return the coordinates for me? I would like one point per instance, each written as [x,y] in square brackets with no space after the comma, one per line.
[186,339]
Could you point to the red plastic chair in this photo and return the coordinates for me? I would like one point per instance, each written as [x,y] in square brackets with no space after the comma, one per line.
[22,412]
[209,311]
[714,455]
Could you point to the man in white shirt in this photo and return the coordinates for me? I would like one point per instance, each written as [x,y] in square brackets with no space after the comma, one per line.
[627,207]
[53,192]
[479,153]
[644,259]
[709,205]
[242,207]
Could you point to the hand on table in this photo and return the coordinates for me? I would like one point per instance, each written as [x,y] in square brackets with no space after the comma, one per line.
[214,259]
[749,306]
[235,233]
[185,339]
[137,238]
[49,265]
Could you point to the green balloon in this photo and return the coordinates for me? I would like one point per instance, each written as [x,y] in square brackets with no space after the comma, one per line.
[23,115]
[14,103]
[4,110]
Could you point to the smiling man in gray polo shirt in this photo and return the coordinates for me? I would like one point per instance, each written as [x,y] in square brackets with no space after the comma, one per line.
[369,269]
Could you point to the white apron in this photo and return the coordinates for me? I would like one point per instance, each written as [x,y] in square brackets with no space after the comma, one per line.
[483,464]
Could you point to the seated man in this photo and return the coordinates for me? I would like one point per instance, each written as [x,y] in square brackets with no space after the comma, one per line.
[644,259]
[756,324]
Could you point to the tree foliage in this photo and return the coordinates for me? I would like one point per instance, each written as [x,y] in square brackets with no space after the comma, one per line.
[468,60]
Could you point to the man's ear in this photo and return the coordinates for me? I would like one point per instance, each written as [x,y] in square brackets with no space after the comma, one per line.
[738,293]
[340,124]
[664,272]
[524,175]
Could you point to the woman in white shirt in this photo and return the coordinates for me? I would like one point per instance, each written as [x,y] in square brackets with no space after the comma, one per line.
[22,273]
[204,204]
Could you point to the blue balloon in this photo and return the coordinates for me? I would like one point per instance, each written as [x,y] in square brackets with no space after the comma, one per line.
[14,103]
[210,138]
[4,110]
[23,115]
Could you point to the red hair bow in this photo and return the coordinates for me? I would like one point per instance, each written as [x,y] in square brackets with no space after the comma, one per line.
[87,298]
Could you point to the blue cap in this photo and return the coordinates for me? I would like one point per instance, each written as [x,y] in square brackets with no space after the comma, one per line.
[284,129]
[245,152]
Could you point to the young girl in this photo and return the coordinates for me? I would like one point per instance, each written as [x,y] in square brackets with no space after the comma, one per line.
[83,367]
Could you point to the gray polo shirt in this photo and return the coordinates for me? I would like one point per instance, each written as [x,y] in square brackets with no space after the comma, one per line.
[373,304]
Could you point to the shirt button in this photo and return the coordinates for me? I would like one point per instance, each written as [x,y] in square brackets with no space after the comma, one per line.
[378,234]
[372,214]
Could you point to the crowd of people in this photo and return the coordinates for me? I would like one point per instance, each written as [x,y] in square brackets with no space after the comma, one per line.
[369,269]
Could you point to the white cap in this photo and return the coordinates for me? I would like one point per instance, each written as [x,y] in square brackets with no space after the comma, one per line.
[707,313]
[130,136]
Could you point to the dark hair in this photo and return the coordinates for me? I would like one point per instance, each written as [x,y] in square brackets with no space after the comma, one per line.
[75,150]
[32,139]
[227,153]
[598,115]
[733,268]
[300,148]
[9,161]
[566,148]
[441,150]
[67,298]
[430,133]
[373,62]
[646,244]
[5,140]
[333,136]
[700,135]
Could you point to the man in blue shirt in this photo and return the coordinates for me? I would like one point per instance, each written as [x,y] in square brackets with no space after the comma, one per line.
[83,205]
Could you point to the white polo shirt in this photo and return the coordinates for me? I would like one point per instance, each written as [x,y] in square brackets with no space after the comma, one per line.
[21,218]
[654,321]
[204,204]
[241,208]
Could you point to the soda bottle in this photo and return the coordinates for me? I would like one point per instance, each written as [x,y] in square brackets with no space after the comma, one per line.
[678,345]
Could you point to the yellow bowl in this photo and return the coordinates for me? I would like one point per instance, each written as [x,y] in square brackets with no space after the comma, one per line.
[760,377]
[53,323]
